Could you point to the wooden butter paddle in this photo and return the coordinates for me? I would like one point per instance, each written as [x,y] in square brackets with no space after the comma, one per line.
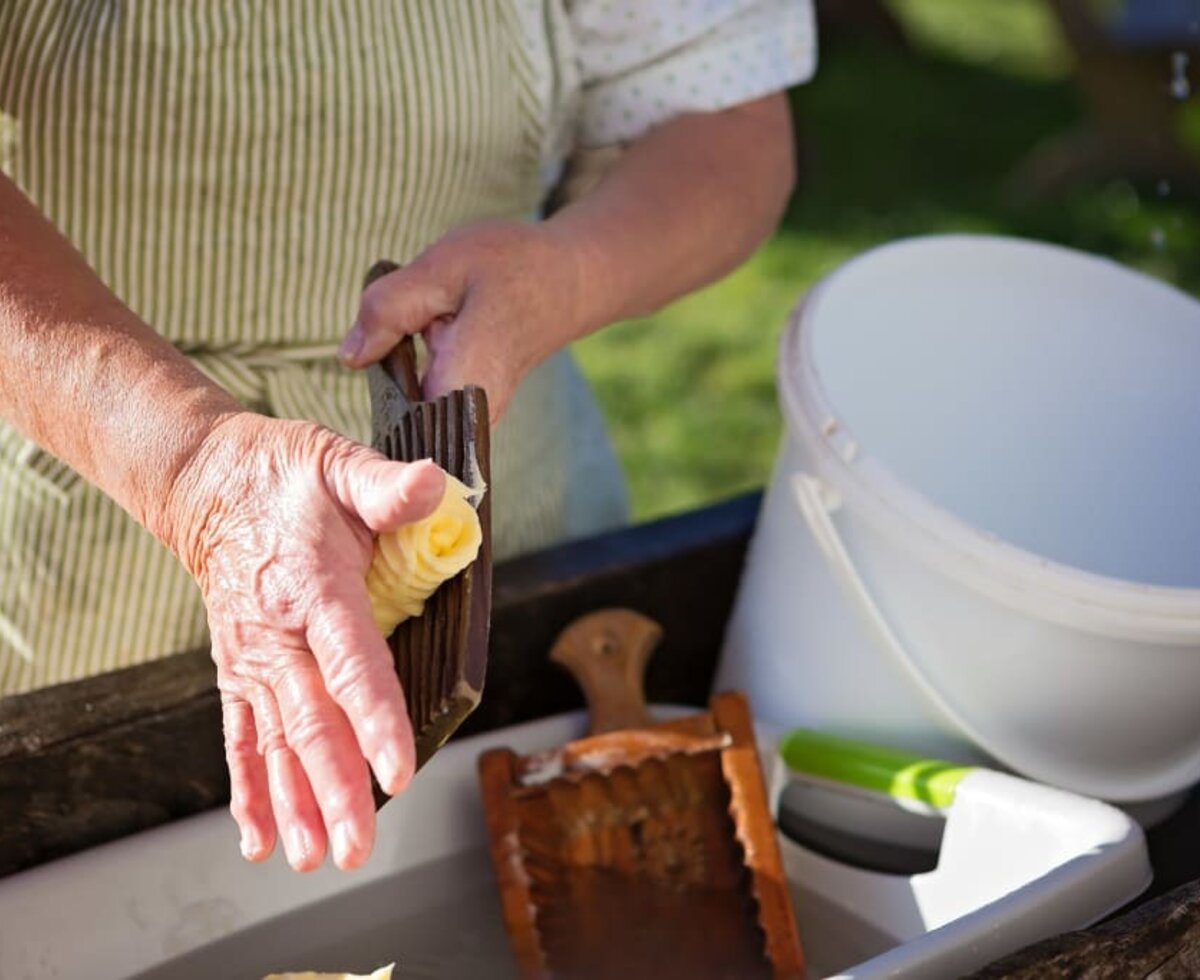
[441,655]
[645,849]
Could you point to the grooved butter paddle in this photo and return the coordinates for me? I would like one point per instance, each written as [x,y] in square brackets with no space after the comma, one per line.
[441,655]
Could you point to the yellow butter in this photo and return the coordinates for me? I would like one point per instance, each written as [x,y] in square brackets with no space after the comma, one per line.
[410,563]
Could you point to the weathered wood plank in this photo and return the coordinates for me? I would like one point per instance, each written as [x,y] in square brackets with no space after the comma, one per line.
[100,758]
[128,777]
[1160,939]
[34,722]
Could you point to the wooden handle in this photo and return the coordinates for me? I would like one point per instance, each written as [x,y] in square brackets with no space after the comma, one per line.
[606,652]
[401,364]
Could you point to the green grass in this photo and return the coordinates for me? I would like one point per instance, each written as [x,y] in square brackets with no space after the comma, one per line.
[892,144]
[690,393]
[1015,36]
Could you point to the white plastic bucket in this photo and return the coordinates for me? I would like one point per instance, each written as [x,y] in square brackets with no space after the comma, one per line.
[982,535]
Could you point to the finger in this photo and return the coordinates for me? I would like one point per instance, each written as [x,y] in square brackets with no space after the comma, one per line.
[321,738]
[249,792]
[402,302]
[360,676]
[464,352]
[296,812]
[383,493]
[267,722]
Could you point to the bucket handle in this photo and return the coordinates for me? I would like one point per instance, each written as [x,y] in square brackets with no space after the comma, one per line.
[812,496]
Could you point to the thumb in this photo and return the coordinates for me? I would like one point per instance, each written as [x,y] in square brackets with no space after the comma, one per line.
[384,493]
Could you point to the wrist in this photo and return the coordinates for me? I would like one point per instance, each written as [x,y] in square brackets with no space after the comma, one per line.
[138,415]
[588,282]
[603,284]
[196,482]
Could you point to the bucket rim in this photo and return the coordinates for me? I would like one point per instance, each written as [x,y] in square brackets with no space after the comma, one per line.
[1052,589]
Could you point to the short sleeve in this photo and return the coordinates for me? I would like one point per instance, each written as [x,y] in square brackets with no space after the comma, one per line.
[641,62]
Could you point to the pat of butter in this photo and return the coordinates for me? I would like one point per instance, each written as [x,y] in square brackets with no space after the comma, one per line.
[412,562]
[383,973]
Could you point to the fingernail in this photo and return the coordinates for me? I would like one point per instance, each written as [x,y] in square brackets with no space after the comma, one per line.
[427,486]
[299,847]
[387,771]
[251,845]
[353,343]
[344,844]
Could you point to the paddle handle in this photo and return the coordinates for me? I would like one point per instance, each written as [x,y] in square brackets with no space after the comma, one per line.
[606,652]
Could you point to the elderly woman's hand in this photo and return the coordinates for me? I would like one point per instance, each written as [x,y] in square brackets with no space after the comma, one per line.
[670,212]
[492,299]
[275,519]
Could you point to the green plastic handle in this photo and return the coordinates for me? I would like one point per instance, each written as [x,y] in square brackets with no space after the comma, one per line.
[873,767]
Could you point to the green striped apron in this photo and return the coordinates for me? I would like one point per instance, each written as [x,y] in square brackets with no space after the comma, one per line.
[230,169]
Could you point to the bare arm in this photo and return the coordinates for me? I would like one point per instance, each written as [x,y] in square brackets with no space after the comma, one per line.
[274,518]
[681,207]
[88,380]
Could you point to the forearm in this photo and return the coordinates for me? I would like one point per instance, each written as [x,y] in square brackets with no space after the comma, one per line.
[88,380]
[683,206]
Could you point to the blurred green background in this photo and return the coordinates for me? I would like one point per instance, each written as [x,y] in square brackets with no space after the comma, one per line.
[924,116]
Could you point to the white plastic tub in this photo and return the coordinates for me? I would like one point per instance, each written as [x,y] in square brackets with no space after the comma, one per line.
[982,536]
[1018,862]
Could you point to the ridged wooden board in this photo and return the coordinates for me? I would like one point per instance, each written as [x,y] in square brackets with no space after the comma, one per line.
[641,851]
[441,655]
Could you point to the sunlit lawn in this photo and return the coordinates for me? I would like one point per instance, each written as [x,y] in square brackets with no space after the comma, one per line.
[893,145]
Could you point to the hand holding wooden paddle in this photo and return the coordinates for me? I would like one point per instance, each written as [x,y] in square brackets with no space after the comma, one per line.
[276,522]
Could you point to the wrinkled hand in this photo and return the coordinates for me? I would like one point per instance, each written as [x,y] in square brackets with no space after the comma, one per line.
[275,519]
[491,299]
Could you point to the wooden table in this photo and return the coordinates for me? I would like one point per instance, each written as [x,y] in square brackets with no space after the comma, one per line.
[94,760]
